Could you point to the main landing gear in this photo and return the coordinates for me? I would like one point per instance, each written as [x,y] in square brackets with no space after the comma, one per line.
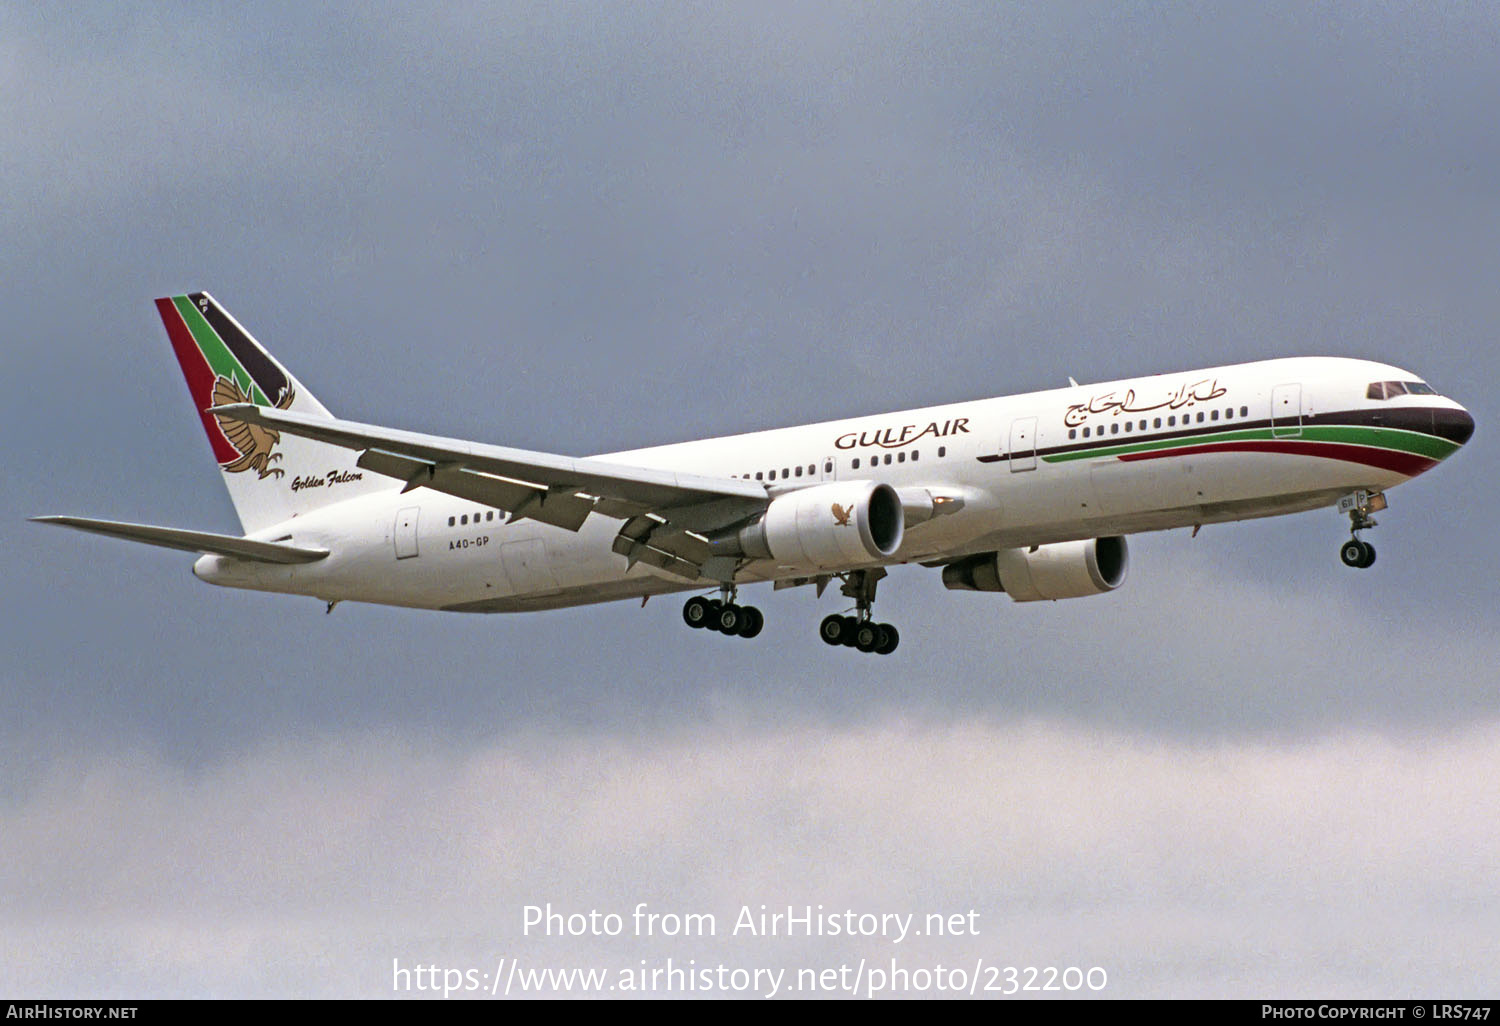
[1354,552]
[723,615]
[860,631]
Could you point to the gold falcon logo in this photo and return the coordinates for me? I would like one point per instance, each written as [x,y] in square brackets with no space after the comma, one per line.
[253,441]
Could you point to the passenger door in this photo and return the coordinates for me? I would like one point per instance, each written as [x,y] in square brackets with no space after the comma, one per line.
[405,534]
[1023,444]
[1286,410]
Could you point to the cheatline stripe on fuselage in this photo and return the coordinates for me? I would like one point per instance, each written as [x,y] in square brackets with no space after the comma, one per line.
[1404,451]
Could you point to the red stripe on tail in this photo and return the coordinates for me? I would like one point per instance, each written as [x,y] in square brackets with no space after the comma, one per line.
[200,377]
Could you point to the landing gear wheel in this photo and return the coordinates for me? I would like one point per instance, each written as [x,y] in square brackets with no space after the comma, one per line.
[868,637]
[1353,552]
[751,621]
[851,626]
[1358,554]
[714,605]
[696,612]
[831,630]
[892,639]
[729,619]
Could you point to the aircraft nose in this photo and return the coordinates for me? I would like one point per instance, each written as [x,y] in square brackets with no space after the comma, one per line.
[1455,425]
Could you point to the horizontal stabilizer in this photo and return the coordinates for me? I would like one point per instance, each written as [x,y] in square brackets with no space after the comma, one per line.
[193,541]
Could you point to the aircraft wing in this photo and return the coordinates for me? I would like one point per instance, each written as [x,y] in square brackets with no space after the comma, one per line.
[192,541]
[666,512]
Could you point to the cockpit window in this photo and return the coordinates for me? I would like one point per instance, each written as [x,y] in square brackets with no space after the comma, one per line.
[1391,389]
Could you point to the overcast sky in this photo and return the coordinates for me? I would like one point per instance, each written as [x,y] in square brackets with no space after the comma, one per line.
[586,227]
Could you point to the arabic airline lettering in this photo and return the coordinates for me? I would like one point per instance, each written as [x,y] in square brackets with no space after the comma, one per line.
[1031,495]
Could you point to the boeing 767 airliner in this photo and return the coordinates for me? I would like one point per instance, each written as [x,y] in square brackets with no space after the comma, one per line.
[1026,494]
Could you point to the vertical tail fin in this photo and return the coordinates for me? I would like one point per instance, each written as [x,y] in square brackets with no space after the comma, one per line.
[270,477]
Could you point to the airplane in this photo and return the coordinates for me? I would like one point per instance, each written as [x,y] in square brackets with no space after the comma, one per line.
[1030,495]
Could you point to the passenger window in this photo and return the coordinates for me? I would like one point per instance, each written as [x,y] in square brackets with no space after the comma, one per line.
[1072,432]
[1244,411]
[1157,422]
[1114,429]
[1085,432]
[799,470]
[1214,415]
[464,519]
[1229,413]
[942,451]
[451,521]
[855,464]
[1200,416]
[914,454]
[888,459]
[489,514]
[828,467]
[1172,421]
[757,475]
[784,474]
[901,457]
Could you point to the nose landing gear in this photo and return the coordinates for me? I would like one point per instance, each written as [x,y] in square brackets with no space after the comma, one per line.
[1355,552]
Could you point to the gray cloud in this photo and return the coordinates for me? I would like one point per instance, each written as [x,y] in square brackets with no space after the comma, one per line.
[1354,864]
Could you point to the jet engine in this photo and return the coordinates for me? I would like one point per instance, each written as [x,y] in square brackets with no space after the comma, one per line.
[1058,571]
[828,526]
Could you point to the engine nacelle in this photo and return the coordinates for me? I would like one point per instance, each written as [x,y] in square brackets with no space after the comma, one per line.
[1063,570]
[828,526]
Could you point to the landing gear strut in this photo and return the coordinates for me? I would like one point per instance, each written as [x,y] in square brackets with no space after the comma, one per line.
[860,631]
[723,615]
[1354,552]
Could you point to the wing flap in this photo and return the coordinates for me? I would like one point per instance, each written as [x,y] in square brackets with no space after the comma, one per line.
[658,542]
[523,501]
[192,541]
[643,552]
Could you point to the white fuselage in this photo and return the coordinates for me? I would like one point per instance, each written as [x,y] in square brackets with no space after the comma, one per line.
[1169,450]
